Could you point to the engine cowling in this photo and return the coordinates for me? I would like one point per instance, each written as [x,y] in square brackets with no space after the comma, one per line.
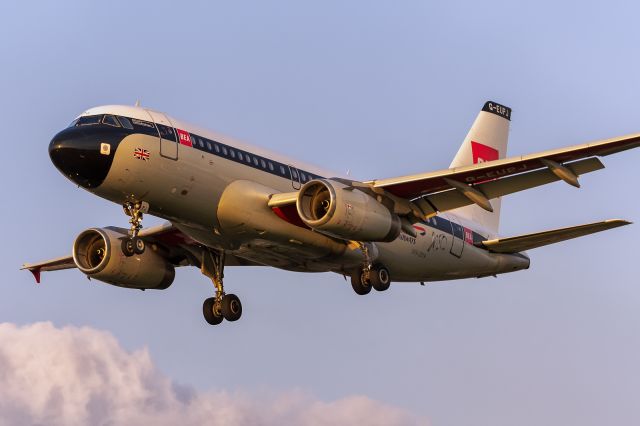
[331,207]
[97,253]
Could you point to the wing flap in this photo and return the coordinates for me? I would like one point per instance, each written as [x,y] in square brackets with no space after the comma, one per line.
[539,239]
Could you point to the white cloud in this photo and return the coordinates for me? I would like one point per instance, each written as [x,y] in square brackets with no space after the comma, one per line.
[82,376]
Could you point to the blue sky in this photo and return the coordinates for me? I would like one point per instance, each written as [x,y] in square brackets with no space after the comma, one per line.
[381,89]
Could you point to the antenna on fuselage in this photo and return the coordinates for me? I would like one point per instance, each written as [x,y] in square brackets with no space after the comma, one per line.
[137,103]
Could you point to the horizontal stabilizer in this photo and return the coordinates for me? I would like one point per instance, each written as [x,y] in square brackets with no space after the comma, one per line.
[539,239]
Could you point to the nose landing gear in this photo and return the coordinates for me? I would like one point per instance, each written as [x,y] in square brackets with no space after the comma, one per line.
[133,244]
[221,306]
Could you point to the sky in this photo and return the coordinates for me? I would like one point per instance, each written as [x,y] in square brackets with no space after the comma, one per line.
[378,88]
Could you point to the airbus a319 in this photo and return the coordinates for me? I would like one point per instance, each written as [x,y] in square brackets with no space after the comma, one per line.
[231,204]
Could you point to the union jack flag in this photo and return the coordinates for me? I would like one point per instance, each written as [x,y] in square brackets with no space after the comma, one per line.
[141,154]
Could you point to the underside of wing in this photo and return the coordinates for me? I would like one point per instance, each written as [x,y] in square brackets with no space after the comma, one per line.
[178,249]
[414,186]
[539,239]
[455,198]
[57,264]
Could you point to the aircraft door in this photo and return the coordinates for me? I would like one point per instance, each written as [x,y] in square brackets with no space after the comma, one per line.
[457,245]
[295,177]
[168,138]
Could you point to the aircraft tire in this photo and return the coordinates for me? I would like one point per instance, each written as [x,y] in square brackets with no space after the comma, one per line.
[128,247]
[138,245]
[359,284]
[231,307]
[380,278]
[211,315]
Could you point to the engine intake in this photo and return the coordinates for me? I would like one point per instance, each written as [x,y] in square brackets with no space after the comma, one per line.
[97,253]
[333,208]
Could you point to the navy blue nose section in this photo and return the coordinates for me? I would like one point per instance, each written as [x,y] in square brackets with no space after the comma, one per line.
[84,154]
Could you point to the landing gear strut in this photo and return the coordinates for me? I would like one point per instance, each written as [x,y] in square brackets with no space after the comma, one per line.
[221,306]
[369,275]
[133,244]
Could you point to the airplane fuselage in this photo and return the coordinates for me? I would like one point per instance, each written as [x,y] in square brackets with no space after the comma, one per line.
[215,190]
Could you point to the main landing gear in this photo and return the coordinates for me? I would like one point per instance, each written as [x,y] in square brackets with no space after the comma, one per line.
[221,306]
[134,244]
[370,275]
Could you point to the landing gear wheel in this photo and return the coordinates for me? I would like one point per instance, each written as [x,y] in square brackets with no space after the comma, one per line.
[128,247]
[131,246]
[231,307]
[380,279]
[361,283]
[212,311]
[138,245]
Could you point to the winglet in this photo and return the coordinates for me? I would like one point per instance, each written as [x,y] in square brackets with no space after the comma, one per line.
[36,274]
[35,270]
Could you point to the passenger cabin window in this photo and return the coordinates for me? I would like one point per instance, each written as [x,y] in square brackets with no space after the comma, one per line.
[224,151]
[201,143]
[255,161]
[283,171]
[294,173]
[208,145]
[270,166]
[166,132]
[232,152]
[110,120]
[125,122]
[89,120]
[263,164]
[240,156]
[217,147]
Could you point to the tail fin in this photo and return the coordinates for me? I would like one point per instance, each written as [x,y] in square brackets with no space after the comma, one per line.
[486,141]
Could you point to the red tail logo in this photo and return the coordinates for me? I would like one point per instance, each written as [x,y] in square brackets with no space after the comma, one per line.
[483,153]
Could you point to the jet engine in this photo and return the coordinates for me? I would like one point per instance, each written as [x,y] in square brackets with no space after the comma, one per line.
[333,208]
[97,253]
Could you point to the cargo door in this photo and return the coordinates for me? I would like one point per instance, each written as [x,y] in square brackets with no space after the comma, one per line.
[457,245]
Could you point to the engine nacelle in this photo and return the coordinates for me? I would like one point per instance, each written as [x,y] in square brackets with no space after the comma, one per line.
[333,208]
[97,253]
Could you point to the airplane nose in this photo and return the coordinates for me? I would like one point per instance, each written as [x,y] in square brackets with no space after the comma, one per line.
[83,155]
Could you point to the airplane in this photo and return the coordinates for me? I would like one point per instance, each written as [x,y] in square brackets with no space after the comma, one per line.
[228,203]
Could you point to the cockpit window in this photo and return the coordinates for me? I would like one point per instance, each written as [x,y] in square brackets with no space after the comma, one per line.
[110,120]
[126,123]
[89,120]
[73,123]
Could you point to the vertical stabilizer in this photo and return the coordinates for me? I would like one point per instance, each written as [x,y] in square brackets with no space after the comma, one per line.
[486,141]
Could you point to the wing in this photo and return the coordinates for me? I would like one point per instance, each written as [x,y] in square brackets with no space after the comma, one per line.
[181,251]
[539,239]
[414,186]
[418,197]
[49,265]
